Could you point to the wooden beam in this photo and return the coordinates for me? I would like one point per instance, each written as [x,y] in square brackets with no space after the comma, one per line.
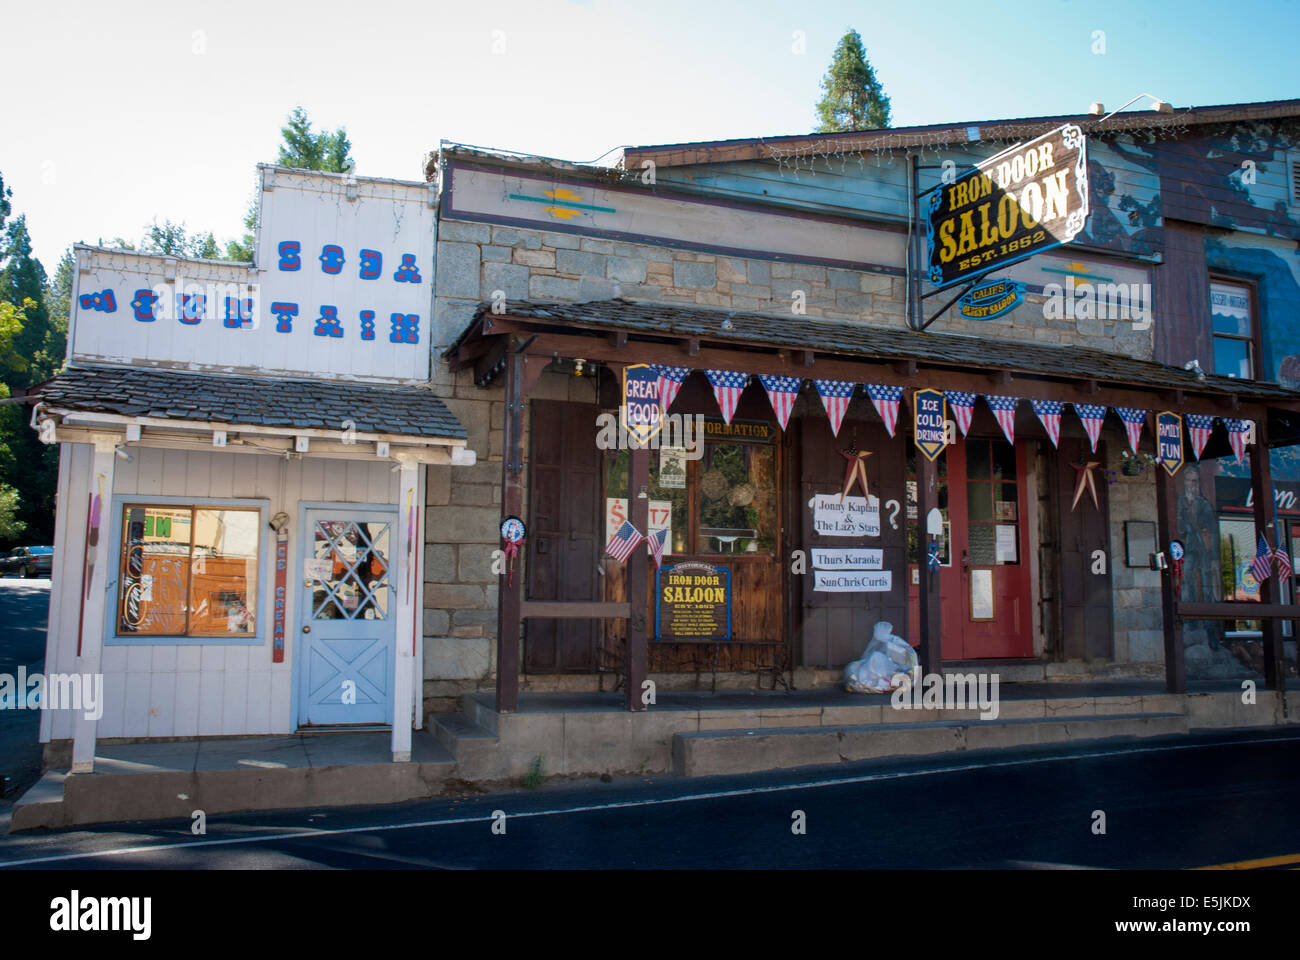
[510,588]
[618,340]
[637,574]
[691,346]
[573,610]
[1238,610]
[929,611]
[1261,485]
[1166,525]
[906,368]
[805,358]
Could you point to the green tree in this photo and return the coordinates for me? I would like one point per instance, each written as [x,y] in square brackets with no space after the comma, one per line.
[853,99]
[308,150]
[173,240]
[58,300]
[11,528]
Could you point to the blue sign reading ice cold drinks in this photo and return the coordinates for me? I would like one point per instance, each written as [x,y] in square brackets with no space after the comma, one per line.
[929,408]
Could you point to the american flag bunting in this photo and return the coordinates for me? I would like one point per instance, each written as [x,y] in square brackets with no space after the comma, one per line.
[623,542]
[1092,415]
[886,400]
[1237,430]
[1199,428]
[962,406]
[835,395]
[782,392]
[728,385]
[1133,420]
[1049,412]
[1004,409]
[670,381]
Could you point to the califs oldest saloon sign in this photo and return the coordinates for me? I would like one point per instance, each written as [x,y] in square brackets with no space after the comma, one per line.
[1023,201]
[693,602]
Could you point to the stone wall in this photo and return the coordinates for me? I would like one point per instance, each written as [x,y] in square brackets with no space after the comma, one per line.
[1139,632]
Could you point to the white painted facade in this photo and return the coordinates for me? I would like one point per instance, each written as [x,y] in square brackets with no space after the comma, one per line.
[138,310]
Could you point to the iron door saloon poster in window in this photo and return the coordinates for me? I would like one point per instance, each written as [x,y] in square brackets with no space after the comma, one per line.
[1023,201]
[693,602]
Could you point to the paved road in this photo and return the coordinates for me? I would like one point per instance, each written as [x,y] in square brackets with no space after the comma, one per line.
[1176,802]
[24,610]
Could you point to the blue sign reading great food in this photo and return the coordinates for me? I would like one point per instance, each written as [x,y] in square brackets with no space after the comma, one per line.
[642,413]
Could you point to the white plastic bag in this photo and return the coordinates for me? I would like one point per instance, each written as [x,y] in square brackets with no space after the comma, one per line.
[887,663]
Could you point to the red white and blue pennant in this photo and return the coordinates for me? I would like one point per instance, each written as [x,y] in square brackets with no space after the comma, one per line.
[728,385]
[1093,416]
[886,400]
[1049,412]
[782,392]
[835,395]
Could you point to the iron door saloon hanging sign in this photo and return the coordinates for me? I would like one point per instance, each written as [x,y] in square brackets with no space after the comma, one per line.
[1022,201]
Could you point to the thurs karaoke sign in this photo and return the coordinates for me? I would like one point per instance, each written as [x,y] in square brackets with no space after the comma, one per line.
[1022,201]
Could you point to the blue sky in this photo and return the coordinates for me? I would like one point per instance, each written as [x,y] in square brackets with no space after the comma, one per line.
[111,119]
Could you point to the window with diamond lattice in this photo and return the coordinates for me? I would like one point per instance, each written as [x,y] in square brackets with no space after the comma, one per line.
[350,570]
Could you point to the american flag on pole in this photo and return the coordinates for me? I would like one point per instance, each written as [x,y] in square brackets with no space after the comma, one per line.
[656,542]
[886,400]
[1093,416]
[1049,411]
[670,381]
[1133,420]
[782,392]
[1004,409]
[1261,566]
[1283,562]
[728,385]
[1199,427]
[1237,430]
[835,395]
[623,542]
[962,406]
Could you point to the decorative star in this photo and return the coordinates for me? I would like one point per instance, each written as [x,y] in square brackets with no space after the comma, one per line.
[1084,480]
[857,471]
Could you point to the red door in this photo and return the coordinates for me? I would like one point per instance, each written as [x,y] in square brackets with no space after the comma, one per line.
[984,581]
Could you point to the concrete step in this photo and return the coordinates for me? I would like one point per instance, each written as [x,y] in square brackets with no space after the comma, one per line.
[472,745]
[709,752]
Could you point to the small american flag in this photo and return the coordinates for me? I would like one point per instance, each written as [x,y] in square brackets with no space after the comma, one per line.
[835,395]
[1093,416]
[886,400]
[1283,563]
[1049,411]
[727,387]
[1237,432]
[1134,419]
[962,406]
[1260,566]
[782,391]
[623,542]
[1004,409]
[1199,427]
[656,542]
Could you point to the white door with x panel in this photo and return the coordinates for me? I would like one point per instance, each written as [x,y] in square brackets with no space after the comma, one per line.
[346,639]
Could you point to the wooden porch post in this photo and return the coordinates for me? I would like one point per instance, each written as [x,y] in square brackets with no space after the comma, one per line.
[1166,525]
[637,573]
[1261,485]
[927,498]
[510,589]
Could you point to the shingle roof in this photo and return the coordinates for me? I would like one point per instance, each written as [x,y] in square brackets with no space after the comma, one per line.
[850,339]
[252,401]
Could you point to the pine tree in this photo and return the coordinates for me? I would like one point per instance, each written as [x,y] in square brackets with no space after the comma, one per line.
[854,99]
[307,150]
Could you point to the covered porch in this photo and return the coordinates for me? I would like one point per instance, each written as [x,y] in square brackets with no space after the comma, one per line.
[519,340]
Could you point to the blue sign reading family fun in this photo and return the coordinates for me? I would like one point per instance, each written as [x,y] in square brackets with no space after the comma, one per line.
[1169,441]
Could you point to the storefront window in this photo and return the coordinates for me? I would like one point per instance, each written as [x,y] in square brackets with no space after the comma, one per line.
[992,504]
[1234,330]
[188,572]
[731,488]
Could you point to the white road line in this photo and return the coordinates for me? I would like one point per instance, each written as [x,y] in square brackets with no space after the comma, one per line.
[627,804]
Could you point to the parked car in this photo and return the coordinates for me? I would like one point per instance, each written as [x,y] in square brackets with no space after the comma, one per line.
[28,561]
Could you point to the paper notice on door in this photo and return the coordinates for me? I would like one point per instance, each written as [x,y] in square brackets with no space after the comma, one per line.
[865,558]
[317,569]
[834,516]
[1007,543]
[853,581]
